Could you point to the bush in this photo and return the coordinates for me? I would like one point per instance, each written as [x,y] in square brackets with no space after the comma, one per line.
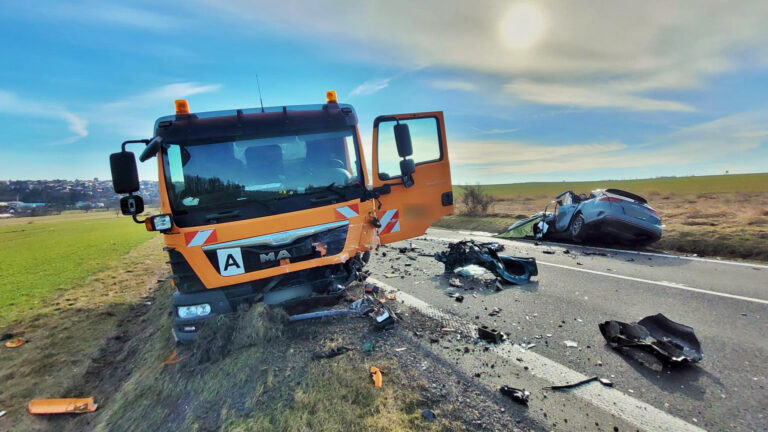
[475,200]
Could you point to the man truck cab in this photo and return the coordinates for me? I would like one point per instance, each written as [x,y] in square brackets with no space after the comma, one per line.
[277,204]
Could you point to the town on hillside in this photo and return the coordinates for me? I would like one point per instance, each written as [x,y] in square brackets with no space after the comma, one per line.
[45,197]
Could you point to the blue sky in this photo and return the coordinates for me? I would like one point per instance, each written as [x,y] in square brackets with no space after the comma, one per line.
[532,91]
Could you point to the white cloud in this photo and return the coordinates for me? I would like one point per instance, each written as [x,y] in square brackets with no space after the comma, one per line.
[13,105]
[725,140]
[370,87]
[615,51]
[453,85]
[590,96]
[134,115]
[104,13]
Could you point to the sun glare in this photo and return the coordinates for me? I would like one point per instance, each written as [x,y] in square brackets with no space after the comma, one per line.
[522,25]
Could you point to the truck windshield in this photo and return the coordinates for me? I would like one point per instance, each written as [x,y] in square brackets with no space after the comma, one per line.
[229,174]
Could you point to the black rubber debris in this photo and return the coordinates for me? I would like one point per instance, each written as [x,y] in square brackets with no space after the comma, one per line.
[428,415]
[517,395]
[331,353]
[671,342]
[602,381]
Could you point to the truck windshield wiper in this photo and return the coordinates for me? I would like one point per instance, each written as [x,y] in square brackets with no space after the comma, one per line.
[330,188]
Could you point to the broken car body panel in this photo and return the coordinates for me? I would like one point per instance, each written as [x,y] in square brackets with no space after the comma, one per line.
[671,342]
[515,270]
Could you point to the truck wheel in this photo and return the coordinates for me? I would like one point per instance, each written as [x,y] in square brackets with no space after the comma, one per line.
[578,230]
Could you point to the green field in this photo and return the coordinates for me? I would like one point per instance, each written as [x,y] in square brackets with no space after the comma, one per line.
[41,257]
[663,186]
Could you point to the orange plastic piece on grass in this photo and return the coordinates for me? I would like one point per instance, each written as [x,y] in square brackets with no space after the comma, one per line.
[175,358]
[62,406]
[376,375]
[13,343]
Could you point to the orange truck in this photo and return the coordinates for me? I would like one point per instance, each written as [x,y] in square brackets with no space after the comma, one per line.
[276,205]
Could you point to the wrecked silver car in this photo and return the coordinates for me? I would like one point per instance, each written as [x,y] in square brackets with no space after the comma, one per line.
[606,213]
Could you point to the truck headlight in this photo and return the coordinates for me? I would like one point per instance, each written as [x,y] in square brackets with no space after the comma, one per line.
[161,222]
[194,311]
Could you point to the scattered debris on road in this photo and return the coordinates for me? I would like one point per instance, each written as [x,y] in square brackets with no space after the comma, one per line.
[515,270]
[518,395]
[376,376]
[62,406]
[669,341]
[331,353]
[602,381]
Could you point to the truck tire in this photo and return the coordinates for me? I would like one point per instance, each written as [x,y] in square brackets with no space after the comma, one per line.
[577,228]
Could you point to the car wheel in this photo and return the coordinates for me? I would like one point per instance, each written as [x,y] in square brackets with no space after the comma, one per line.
[578,230]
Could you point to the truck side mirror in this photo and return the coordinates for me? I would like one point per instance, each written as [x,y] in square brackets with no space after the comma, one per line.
[403,140]
[131,205]
[125,176]
[407,168]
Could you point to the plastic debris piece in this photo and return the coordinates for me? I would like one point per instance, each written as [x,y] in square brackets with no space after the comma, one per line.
[669,341]
[428,415]
[5,336]
[368,347]
[518,395]
[331,353]
[489,334]
[376,376]
[62,406]
[459,298]
[472,270]
[602,381]
[571,344]
[174,358]
[400,349]
[14,343]
[455,282]
[2,413]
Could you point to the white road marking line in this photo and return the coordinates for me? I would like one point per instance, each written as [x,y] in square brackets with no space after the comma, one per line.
[663,283]
[614,402]
[490,236]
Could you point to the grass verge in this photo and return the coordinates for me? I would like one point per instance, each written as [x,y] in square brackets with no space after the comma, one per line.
[40,259]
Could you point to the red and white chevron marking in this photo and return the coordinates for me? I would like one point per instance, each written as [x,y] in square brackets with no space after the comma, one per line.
[199,238]
[347,212]
[390,221]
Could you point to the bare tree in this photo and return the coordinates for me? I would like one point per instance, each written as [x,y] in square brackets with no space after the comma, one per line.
[475,200]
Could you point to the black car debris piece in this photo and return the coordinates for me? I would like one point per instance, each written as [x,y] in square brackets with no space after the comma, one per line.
[515,270]
[489,335]
[331,353]
[518,395]
[672,343]
[602,381]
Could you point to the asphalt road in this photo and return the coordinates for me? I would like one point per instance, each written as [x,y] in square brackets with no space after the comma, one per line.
[725,302]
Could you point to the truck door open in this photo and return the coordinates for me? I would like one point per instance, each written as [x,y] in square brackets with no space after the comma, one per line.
[415,201]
